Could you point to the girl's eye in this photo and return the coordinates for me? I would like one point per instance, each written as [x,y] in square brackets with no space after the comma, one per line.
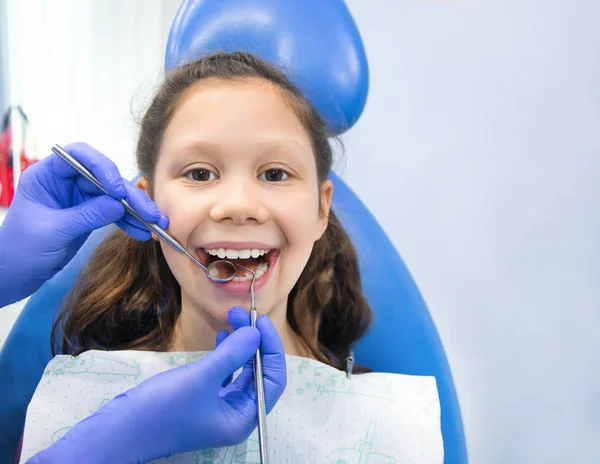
[201,175]
[274,175]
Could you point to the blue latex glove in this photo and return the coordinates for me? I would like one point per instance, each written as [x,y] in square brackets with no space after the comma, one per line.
[188,408]
[53,212]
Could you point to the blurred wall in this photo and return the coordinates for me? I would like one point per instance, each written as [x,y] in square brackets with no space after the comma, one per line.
[3,58]
[83,69]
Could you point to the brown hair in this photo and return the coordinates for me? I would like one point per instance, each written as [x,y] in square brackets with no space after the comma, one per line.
[127,297]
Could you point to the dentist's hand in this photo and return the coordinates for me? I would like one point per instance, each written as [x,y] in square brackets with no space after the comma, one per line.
[189,408]
[54,211]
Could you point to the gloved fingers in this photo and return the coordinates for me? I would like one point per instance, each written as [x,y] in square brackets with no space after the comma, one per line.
[144,206]
[238,317]
[241,393]
[90,215]
[271,344]
[242,383]
[273,357]
[270,341]
[138,199]
[272,351]
[222,335]
[273,361]
[140,233]
[101,166]
[85,188]
[230,355]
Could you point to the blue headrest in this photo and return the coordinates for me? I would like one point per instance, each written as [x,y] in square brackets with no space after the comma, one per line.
[315,42]
[318,45]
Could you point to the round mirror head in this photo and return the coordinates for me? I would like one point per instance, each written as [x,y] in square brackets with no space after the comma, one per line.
[221,271]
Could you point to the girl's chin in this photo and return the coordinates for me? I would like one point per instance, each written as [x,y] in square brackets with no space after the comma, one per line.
[225,304]
[219,312]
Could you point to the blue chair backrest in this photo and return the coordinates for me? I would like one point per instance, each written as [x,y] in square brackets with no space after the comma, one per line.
[318,45]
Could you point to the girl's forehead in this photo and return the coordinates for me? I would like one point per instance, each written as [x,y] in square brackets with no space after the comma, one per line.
[225,105]
[220,116]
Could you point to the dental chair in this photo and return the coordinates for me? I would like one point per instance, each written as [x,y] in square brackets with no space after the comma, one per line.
[318,46]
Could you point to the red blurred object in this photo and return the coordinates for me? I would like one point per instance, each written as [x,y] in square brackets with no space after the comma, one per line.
[7,185]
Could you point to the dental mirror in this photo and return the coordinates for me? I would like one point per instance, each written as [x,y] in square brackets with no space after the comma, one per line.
[221,271]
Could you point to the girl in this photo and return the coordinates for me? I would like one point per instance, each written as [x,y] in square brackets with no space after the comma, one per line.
[238,160]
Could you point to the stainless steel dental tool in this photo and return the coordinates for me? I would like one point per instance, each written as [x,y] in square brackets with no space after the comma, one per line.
[258,379]
[218,271]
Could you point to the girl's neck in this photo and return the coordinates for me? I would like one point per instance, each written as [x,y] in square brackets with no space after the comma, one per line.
[196,330]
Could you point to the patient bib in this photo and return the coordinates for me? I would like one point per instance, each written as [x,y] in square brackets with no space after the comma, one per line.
[321,418]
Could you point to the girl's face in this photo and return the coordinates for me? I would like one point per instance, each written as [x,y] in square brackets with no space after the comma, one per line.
[236,176]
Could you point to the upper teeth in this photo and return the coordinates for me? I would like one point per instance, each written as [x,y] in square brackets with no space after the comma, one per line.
[235,254]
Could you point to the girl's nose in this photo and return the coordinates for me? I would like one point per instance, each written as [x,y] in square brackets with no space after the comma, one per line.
[239,202]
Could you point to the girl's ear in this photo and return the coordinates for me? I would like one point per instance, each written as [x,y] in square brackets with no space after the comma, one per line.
[325,206]
[142,183]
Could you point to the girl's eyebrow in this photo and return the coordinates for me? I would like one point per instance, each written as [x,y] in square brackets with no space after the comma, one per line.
[190,151]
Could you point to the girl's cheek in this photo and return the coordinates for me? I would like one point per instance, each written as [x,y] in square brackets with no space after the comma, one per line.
[168,205]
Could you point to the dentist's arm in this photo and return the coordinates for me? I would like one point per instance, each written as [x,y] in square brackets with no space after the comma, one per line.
[189,408]
[53,212]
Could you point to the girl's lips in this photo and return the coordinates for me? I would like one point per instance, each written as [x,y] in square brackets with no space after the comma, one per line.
[244,287]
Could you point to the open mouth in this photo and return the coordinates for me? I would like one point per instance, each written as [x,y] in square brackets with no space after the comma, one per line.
[257,260]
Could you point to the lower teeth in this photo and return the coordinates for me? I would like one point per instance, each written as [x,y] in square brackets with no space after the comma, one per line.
[260,270]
